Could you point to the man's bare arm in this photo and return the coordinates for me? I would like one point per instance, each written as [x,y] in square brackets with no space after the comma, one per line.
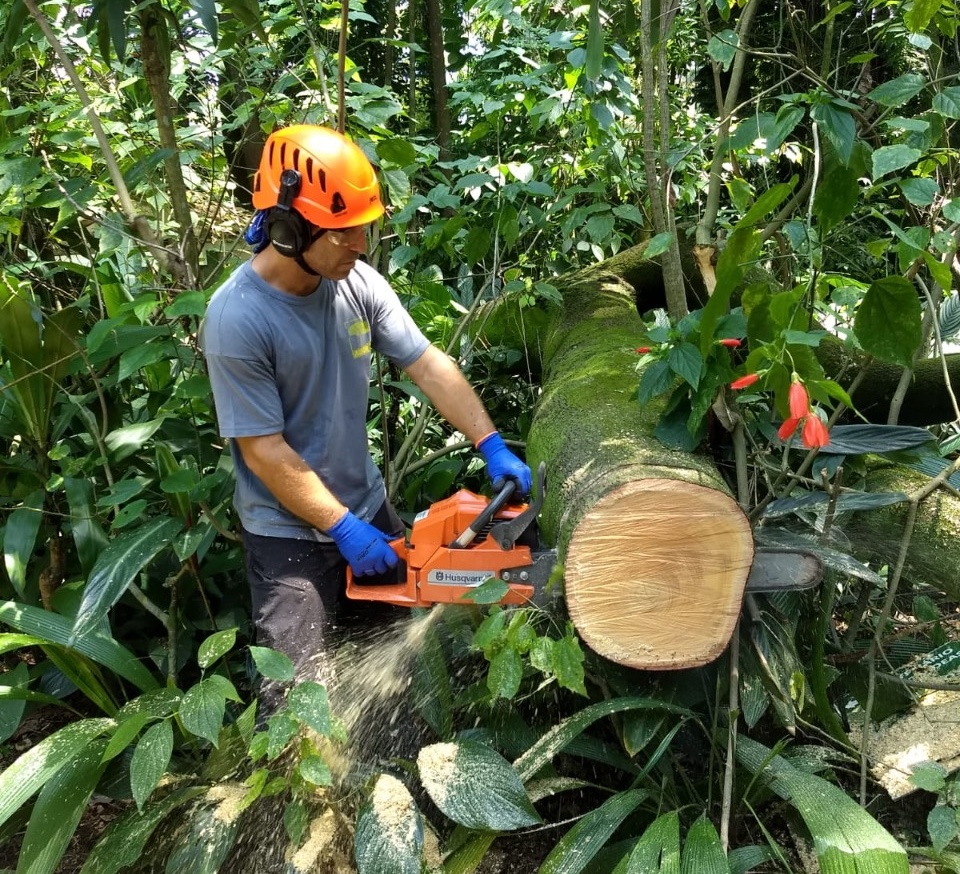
[290,480]
[441,380]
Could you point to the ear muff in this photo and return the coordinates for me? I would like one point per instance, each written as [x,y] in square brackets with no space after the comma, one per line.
[287,230]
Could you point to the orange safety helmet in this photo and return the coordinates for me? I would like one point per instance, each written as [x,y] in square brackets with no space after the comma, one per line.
[339,187]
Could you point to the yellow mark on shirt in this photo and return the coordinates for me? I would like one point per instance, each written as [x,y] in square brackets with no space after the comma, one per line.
[359,334]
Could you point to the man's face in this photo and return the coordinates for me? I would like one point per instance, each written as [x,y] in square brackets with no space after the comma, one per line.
[334,253]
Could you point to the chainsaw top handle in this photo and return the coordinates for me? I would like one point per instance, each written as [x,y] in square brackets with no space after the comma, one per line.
[485,515]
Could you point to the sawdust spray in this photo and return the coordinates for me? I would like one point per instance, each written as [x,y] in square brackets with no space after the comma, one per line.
[369,678]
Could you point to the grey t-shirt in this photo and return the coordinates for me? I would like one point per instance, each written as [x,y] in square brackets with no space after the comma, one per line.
[300,366]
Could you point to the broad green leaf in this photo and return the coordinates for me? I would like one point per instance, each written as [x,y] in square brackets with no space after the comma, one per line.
[889,159]
[11,708]
[947,102]
[41,762]
[838,125]
[58,629]
[506,672]
[561,735]
[930,776]
[942,826]
[566,660]
[389,833]
[702,851]
[575,851]
[846,502]
[658,850]
[126,731]
[918,14]
[837,196]
[920,191]
[150,760]
[210,832]
[898,91]
[888,321]
[475,787]
[309,703]
[271,664]
[123,842]
[744,860]
[685,361]
[846,839]
[88,535]
[315,770]
[116,568]
[202,709]
[20,539]
[58,809]
[874,439]
[207,12]
[657,246]
[657,378]
[216,645]
[723,46]
[491,591]
[123,442]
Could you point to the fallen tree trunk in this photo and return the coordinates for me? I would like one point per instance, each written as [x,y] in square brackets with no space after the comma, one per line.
[933,556]
[655,550]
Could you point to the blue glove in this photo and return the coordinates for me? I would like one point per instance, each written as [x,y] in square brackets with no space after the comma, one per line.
[502,464]
[363,546]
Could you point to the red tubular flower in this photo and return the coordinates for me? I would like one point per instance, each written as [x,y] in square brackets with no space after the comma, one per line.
[643,350]
[744,381]
[730,343]
[815,433]
[787,428]
[799,400]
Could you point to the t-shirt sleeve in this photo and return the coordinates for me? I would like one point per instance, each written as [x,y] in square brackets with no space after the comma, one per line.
[394,332]
[244,387]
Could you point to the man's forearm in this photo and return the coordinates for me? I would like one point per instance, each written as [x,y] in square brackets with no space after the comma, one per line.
[291,480]
[441,380]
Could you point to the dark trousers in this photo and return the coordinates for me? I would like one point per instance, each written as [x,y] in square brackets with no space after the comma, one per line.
[298,602]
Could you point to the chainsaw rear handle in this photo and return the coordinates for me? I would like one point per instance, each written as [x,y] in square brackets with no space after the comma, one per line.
[485,515]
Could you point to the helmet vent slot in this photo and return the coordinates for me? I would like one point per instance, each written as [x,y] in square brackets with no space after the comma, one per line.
[283,155]
[295,163]
[322,179]
[310,171]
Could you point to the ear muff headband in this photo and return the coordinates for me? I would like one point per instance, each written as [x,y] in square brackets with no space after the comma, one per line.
[287,230]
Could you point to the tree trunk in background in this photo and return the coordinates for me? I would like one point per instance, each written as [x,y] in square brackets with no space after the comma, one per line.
[933,558]
[438,76]
[656,552]
[155,54]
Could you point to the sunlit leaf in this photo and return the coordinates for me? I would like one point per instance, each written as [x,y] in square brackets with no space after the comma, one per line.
[575,851]
[45,759]
[474,786]
[116,568]
[846,838]
[389,833]
[150,760]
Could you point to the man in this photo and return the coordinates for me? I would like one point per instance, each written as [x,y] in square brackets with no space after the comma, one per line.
[287,341]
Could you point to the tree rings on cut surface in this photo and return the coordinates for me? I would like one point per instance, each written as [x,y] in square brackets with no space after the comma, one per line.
[655,573]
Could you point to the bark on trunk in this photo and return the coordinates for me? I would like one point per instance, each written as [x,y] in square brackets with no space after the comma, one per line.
[655,550]
[933,558]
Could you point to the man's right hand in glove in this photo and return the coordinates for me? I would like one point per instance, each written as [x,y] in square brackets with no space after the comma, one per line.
[365,548]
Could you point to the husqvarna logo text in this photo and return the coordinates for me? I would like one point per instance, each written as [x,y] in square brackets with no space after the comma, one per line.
[459,577]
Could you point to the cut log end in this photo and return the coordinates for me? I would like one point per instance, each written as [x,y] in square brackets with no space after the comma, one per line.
[655,572]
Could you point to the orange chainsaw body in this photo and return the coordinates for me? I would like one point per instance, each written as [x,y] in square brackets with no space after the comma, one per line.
[432,570]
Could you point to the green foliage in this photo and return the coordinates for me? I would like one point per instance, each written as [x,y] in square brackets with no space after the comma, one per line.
[836,215]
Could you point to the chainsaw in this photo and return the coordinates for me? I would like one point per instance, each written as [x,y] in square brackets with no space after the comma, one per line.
[461,542]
